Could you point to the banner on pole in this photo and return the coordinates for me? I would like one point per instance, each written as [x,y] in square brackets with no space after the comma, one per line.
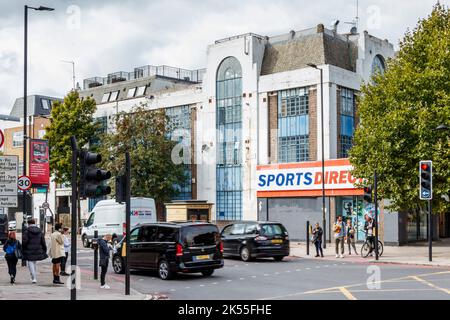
[39,167]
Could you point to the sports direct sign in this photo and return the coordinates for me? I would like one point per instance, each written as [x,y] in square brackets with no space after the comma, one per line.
[305,179]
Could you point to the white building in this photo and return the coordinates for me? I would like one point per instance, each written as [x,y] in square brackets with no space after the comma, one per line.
[254,122]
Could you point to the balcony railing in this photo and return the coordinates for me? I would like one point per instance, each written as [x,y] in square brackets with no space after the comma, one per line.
[194,76]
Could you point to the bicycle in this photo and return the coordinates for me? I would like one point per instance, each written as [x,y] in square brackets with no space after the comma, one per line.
[366,248]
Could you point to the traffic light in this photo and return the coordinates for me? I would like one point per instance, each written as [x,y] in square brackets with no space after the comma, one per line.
[368,194]
[426,180]
[121,189]
[91,177]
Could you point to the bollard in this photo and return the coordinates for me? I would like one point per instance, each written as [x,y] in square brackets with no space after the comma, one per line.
[95,246]
[307,238]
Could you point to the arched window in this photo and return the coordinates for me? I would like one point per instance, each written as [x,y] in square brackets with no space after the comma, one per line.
[378,65]
[229,140]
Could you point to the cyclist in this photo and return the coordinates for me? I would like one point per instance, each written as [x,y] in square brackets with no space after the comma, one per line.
[369,227]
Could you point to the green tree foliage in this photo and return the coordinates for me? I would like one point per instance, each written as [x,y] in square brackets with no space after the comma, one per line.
[143,133]
[399,112]
[72,117]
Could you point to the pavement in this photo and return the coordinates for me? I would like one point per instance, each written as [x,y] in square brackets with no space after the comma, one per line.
[404,255]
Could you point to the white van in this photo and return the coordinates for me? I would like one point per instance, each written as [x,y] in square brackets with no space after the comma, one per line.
[108,217]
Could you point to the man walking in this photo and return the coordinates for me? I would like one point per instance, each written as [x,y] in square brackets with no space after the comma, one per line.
[34,247]
[339,235]
[105,248]
[317,240]
[57,252]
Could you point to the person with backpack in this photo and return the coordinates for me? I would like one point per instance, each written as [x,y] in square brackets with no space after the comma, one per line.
[13,252]
[57,252]
[34,247]
[339,235]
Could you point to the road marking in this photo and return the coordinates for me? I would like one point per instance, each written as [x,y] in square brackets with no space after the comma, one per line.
[266,275]
[287,271]
[187,287]
[347,293]
[430,284]
[229,280]
[317,267]
[173,290]
[202,285]
[253,277]
[241,278]
[308,268]
[277,273]
[298,270]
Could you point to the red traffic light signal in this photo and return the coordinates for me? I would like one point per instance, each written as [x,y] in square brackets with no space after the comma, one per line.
[424,166]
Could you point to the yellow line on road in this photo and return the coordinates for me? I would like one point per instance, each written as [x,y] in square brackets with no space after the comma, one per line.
[347,293]
[430,284]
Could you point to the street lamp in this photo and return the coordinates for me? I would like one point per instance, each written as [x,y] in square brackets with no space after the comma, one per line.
[323,153]
[25,111]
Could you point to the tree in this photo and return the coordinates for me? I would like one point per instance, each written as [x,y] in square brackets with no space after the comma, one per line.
[399,112]
[72,117]
[143,133]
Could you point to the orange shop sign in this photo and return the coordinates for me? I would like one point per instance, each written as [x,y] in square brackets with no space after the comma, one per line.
[305,179]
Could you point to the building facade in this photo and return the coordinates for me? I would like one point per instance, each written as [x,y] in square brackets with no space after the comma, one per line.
[253,116]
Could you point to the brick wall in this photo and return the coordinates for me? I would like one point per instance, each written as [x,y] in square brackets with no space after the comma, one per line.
[273,127]
[313,124]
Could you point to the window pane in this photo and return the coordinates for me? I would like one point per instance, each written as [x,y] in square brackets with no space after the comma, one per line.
[114,96]
[131,92]
[46,104]
[140,91]
[105,97]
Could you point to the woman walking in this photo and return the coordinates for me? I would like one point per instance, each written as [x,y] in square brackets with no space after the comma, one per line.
[13,252]
[350,239]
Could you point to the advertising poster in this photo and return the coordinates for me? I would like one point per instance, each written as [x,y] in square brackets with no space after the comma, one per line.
[39,163]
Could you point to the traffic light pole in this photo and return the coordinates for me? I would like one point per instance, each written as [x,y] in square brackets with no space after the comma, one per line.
[430,232]
[127,219]
[375,200]
[73,254]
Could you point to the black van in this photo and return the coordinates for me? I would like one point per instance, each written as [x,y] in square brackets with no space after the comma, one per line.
[255,239]
[4,228]
[186,247]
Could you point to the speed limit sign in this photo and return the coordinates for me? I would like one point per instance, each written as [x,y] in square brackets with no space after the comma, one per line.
[24,183]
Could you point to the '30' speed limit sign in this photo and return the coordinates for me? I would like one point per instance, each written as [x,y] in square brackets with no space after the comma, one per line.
[24,183]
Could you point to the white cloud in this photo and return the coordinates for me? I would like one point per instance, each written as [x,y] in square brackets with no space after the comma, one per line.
[120,35]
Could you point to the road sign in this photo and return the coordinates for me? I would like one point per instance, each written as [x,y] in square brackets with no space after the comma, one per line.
[8,181]
[46,205]
[2,138]
[24,183]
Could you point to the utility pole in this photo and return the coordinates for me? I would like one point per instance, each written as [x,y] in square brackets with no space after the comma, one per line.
[73,255]
[128,220]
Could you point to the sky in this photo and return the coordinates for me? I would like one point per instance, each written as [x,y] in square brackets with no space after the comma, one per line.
[103,37]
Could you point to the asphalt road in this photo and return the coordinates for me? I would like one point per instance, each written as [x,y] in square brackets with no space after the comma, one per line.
[295,279]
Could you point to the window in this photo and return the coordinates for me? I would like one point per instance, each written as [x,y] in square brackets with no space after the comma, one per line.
[41,134]
[251,229]
[114,96]
[229,140]
[134,235]
[203,235]
[140,91]
[90,221]
[131,92]
[46,104]
[272,230]
[293,124]
[238,229]
[18,139]
[347,119]
[148,234]
[106,97]
[378,65]
[166,234]
[227,231]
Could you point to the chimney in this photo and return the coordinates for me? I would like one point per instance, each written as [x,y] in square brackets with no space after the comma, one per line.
[320,28]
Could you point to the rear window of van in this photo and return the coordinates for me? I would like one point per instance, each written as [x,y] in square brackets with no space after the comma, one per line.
[201,235]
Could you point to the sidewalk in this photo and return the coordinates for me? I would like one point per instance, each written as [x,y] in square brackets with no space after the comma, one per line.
[407,255]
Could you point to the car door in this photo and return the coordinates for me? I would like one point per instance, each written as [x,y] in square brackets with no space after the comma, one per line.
[149,248]
[165,244]
[226,240]
[135,248]
[237,236]
[90,226]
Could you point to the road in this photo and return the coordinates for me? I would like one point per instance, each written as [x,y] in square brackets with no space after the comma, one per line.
[295,279]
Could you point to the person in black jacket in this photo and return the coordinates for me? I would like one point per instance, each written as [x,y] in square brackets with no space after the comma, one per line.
[370,226]
[13,249]
[34,247]
[104,248]
[317,239]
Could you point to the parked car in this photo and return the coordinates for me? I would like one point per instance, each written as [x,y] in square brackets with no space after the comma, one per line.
[12,225]
[108,216]
[4,230]
[250,240]
[169,248]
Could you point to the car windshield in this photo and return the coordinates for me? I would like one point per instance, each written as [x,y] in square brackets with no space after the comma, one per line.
[203,235]
[272,230]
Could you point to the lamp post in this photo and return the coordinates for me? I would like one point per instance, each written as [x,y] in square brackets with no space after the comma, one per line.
[323,154]
[25,112]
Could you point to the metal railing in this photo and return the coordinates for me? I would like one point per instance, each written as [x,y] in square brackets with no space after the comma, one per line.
[194,76]
[240,36]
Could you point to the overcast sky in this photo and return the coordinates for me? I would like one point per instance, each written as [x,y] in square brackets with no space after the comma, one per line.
[117,35]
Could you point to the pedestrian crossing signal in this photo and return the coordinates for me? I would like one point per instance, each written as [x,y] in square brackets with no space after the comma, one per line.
[368,194]
[426,180]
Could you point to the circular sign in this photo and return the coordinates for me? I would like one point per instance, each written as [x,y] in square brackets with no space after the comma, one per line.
[45,205]
[2,138]
[24,183]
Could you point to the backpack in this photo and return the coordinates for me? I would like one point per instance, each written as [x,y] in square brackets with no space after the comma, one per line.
[10,249]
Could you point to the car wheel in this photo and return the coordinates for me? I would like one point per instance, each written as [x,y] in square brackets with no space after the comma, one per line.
[245,254]
[164,271]
[118,265]
[278,258]
[208,273]
[85,240]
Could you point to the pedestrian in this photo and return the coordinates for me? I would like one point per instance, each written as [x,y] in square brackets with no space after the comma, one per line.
[350,239]
[105,248]
[66,252]
[369,227]
[13,252]
[57,252]
[34,247]
[317,239]
[339,235]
